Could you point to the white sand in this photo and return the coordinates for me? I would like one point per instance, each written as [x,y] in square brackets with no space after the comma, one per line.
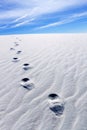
[58,64]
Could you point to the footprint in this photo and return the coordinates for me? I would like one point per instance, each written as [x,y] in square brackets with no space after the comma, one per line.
[15,59]
[16,44]
[12,49]
[26,83]
[56,104]
[18,52]
[20,40]
[26,66]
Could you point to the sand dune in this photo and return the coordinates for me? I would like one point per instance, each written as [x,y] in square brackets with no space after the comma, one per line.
[57,64]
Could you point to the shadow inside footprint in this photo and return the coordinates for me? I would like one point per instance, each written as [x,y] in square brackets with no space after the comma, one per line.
[53,96]
[57,109]
[29,87]
[56,104]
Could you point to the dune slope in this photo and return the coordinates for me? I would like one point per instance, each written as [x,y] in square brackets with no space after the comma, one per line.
[57,64]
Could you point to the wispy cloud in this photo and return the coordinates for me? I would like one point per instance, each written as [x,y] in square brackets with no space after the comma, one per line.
[20,18]
[17,13]
[22,23]
[66,20]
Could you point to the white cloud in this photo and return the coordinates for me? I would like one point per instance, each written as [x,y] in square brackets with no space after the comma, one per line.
[20,24]
[28,9]
[66,20]
[20,18]
[38,7]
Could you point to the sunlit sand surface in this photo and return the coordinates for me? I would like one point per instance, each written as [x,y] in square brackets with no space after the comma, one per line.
[57,64]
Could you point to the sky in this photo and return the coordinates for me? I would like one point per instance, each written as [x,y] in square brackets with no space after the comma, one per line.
[43,16]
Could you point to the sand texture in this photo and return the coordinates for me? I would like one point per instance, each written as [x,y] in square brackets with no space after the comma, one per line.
[57,64]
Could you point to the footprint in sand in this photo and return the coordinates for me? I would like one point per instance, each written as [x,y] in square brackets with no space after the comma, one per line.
[12,49]
[26,66]
[15,59]
[26,83]
[18,52]
[56,104]
[16,44]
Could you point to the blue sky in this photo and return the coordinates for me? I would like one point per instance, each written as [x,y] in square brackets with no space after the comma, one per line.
[43,16]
